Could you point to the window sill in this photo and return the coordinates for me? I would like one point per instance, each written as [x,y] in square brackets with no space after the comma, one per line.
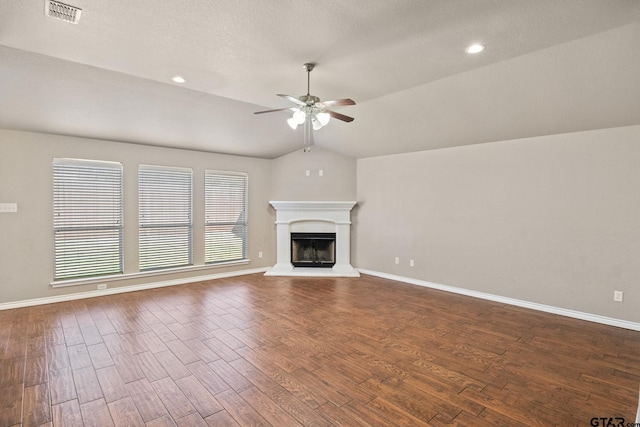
[142,274]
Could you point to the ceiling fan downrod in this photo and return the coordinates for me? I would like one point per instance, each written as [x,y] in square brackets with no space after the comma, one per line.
[309,66]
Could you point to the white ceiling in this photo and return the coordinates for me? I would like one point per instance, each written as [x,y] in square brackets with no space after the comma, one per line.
[551,66]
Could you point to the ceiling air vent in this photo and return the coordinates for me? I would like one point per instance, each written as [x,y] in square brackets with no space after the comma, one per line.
[62,11]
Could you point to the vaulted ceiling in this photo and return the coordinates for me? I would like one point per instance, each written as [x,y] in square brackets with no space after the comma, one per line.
[550,67]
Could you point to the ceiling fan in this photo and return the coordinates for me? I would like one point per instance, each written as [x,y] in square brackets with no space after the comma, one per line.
[310,110]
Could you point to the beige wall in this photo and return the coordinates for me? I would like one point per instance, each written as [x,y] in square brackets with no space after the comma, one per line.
[26,252]
[290,182]
[552,220]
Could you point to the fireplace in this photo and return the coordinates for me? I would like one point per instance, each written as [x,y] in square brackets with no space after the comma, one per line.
[327,228]
[313,249]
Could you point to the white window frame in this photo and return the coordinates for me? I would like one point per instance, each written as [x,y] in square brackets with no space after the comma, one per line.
[165,217]
[87,218]
[226,216]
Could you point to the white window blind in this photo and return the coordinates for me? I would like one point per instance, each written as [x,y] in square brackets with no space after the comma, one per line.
[87,218]
[165,221]
[225,216]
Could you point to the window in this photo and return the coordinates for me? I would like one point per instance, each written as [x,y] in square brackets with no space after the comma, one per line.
[225,232]
[87,218]
[165,221]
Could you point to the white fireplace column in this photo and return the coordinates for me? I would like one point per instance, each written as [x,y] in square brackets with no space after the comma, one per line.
[343,248]
[310,217]
[283,248]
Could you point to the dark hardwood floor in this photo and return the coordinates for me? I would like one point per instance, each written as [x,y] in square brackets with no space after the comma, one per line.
[255,350]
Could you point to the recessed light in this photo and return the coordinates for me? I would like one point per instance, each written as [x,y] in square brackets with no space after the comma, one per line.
[475,48]
[179,79]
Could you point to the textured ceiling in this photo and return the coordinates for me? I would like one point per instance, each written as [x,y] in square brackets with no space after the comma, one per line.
[550,67]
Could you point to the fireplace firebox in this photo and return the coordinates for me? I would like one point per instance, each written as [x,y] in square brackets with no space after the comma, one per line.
[313,249]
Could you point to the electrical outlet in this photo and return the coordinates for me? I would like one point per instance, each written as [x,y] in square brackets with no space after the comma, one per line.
[617,296]
[102,286]
[260,254]
[307,172]
[397,260]
[320,172]
[8,207]
[411,263]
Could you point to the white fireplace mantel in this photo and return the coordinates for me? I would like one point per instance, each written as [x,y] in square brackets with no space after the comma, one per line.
[313,216]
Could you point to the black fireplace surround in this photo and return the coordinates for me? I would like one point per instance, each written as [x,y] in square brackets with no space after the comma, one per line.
[313,249]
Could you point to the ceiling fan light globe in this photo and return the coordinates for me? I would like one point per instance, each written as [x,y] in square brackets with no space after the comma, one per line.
[299,116]
[292,122]
[316,123]
[323,118]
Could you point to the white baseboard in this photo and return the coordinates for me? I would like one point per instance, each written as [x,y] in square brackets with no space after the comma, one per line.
[496,298]
[511,301]
[123,289]
[638,413]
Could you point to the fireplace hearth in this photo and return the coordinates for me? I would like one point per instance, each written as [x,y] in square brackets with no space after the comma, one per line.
[313,249]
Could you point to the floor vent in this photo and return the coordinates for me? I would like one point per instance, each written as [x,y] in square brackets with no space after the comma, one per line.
[62,11]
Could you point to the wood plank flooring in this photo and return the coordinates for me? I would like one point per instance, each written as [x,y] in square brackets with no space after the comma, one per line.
[275,351]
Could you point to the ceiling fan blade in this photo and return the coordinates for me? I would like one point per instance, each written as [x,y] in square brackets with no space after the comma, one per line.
[340,116]
[292,99]
[272,111]
[338,102]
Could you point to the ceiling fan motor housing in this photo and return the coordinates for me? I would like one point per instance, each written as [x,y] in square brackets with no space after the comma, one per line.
[309,99]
